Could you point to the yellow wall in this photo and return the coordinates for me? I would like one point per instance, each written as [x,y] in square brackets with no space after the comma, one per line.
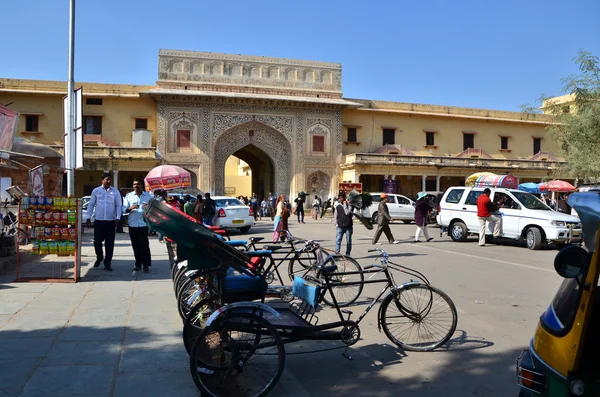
[121,103]
[449,135]
[241,183]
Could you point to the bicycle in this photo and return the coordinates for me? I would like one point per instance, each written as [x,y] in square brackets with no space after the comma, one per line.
[10,227]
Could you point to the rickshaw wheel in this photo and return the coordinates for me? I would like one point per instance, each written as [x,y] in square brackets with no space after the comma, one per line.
[239,354]
[194,322]
[418,317]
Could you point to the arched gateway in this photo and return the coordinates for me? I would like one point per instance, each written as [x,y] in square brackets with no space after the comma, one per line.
[284,115]
[267,141]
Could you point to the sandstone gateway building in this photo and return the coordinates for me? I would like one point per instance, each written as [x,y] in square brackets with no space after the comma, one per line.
[288,120]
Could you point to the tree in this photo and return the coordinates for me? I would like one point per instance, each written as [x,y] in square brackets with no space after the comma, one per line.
[575,118]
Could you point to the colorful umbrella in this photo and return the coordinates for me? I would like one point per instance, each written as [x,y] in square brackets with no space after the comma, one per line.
[470,181]
[167,177]
[530,187]
[507,181]
[557,186]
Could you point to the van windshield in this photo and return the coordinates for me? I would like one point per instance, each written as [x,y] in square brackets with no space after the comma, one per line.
[529,201]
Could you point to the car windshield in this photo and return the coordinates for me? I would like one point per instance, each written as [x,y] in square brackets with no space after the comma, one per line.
[531,202]
[226,202]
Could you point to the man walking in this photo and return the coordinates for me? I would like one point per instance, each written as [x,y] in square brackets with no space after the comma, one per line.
[188,207]
[485,207]
[343,224]
[383,222]
[300,208]
[254,205]
[210,209]
[106,206]
[134,204]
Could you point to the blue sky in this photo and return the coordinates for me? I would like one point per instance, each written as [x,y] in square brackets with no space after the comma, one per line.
[487,54]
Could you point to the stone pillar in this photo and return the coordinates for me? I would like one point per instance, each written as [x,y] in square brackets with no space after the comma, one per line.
[116,179]
[423,183]
[437,183]
[356,178]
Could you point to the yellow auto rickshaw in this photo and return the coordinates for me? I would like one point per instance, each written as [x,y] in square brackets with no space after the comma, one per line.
[563,358]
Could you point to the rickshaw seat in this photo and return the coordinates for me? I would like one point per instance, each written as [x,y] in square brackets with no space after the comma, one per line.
[259,253]
[327,269]
[305,291]
[237,243]
[273,247]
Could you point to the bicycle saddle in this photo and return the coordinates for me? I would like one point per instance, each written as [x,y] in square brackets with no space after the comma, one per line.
[272,247]
[327,269]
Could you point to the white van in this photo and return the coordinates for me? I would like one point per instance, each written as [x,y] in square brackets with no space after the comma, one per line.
[401,208]
[524,217]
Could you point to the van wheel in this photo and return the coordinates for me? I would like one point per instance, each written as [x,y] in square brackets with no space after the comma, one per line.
[374,218]
[533,238]
[458,231]
[245,229]
[407,222]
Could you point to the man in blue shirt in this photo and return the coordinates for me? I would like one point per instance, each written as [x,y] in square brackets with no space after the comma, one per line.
[106,206]
[135,204]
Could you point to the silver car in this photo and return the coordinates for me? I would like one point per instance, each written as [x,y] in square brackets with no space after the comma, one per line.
[232,213]
[401,208]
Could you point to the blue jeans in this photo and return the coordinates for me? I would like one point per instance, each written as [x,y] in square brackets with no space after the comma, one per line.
[339,233]
[208,220]
[300,213]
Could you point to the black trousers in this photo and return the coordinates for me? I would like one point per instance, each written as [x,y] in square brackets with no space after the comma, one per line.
[104,232]
[141,246]
[385,229]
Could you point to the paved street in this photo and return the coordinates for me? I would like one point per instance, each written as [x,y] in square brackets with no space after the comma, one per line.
[112,335]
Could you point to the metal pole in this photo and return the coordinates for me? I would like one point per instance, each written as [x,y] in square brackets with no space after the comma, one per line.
[71,103]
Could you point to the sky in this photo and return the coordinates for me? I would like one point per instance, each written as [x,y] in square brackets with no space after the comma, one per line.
[483,54]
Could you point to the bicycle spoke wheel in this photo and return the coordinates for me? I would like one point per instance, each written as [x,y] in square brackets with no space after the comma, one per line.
[418,317]
[344,294]
[239,354]
[194,322]
[188,290]
[302,266]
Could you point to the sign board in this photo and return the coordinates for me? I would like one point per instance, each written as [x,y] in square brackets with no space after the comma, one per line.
[390,186]
[77,131]
[36,181]
[9,120]
[230,190]
[348,187]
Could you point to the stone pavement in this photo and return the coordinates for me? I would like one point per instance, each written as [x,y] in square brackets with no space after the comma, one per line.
[108,335]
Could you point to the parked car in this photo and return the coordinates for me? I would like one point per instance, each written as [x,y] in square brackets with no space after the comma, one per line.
[400,207]
[232,213]
[524,216]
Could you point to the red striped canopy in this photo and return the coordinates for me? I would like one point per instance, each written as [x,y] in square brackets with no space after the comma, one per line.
[557,186]
[167,177]
[507,181]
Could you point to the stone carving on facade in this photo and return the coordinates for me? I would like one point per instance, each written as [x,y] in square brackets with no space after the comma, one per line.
[269,140]
[318,183]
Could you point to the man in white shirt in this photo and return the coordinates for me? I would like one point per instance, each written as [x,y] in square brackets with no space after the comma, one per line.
[134,205]
[106,206]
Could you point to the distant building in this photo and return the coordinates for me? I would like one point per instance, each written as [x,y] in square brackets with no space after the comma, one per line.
[287,120]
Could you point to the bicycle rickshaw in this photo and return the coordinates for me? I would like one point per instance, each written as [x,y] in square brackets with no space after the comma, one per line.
[563,358]
[241,348]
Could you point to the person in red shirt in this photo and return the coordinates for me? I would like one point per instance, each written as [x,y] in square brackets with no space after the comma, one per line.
[485,207]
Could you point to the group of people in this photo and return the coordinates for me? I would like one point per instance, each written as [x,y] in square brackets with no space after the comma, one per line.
[343,213]
[107,207]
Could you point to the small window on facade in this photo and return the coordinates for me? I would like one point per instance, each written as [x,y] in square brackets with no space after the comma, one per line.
[430,139]
[32,123]
[92,125]
[504,142]
[184,139]
[351,134]
[468,141]
[537,145]
[318,144]
[389,136]
[93,101]
[141,124]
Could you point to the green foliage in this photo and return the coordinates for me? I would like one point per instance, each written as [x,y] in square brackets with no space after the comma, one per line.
[575,126]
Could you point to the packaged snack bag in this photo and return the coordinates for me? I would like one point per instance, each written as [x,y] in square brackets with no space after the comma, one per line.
[33,203]
[39,231]
[35,249]
[23,219]
[47,218]
[71,216]
[47,232]
[63,248]
[56,218]
[53,248]
[44,248]
[71,248]
[39,218]
[72,233]
[50,203]
[64,233]
[56,233]
[24,202]
[72,203]
[64,218]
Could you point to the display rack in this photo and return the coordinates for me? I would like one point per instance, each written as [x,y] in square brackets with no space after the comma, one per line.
[53,253]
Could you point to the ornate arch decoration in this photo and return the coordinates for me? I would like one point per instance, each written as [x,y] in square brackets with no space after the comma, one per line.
[269,140]
[318,183]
